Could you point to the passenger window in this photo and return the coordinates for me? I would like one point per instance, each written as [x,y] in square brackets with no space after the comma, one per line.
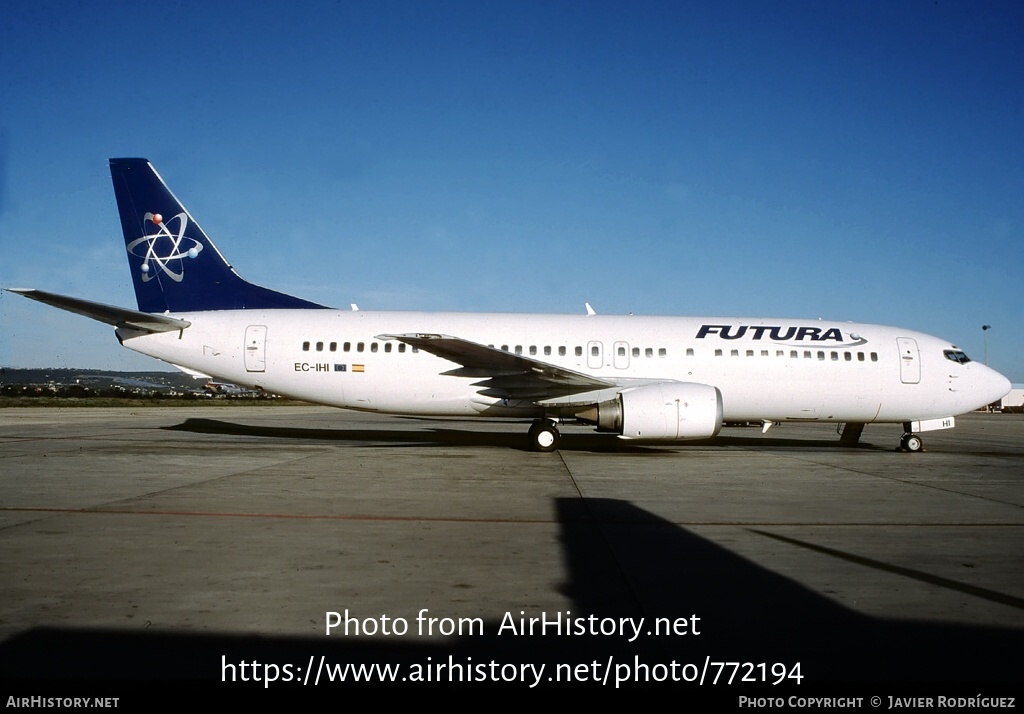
[594,351]
[847,356]
[764,353]
[561,351]
[579,351]
[533,349]
[821,355]
[387,346]
[319,346]
[547,350]
[750,353]
[662,352]
[835,356]
[305,347]
[793,354]
[519,349]
[360,346]
[636,351]
[807,354]
[347,347]
[734,353]
[718,353]
[621,352]
[860,356]
[373,347]
[689,352]
[650,352]
[504,348]
[401,347]
[874,356]
[334,347]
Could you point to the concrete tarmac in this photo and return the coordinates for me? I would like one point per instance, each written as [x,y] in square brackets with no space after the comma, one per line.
[160,543]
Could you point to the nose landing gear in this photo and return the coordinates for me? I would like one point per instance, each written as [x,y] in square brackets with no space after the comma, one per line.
[911,443]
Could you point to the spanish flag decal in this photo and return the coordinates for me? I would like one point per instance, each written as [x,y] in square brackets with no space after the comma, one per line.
[357,368]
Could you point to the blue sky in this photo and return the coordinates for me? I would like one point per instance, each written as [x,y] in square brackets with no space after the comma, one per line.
[852,161]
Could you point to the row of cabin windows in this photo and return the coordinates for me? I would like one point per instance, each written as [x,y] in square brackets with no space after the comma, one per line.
[808,354]
[648,352]
[595,351]
[374,347]
[359,347]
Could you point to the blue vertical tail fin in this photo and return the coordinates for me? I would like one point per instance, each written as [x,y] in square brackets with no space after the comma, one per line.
[175,266]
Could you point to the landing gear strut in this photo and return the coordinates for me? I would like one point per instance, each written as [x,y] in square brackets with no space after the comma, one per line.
[544,435]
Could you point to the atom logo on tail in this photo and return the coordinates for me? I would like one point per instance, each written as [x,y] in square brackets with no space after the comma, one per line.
[171,248]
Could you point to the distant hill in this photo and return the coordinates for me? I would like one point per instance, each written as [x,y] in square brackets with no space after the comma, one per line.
[98,379]
[97,387]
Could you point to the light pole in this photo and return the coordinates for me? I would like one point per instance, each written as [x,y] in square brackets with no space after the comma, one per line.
[984,331]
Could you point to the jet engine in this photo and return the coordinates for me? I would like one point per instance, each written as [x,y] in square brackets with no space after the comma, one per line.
[664,410]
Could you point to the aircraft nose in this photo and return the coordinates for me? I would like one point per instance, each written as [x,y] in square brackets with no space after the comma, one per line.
[996,385]
[1000,384]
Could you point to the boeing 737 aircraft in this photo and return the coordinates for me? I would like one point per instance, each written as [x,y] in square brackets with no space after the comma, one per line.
[649,378]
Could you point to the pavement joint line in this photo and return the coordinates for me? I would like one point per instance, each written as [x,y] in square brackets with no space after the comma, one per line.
[281,516]
[922,484]
[913,574]
[572,479]
[458,519]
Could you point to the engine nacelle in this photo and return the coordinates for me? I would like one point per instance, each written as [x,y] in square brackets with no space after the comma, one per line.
[666,410]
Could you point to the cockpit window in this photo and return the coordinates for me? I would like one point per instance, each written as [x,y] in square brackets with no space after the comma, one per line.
[956,356]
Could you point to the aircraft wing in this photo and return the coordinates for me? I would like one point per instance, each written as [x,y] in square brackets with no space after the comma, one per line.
[111,315]
[503,374]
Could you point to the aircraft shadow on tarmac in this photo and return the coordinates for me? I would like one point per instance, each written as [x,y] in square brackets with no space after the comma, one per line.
[441,436]
[621,562]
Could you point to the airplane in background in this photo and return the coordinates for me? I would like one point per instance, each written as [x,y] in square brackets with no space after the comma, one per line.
[649,378]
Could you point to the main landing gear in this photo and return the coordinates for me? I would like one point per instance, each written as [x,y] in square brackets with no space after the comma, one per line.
[544,435]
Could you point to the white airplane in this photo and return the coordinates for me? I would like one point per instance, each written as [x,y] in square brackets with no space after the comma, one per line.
[648,378]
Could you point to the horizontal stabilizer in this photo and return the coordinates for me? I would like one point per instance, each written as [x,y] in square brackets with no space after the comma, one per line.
[192,373]
[111,315]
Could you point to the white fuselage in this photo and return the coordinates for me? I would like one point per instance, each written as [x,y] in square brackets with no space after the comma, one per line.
[766,369]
